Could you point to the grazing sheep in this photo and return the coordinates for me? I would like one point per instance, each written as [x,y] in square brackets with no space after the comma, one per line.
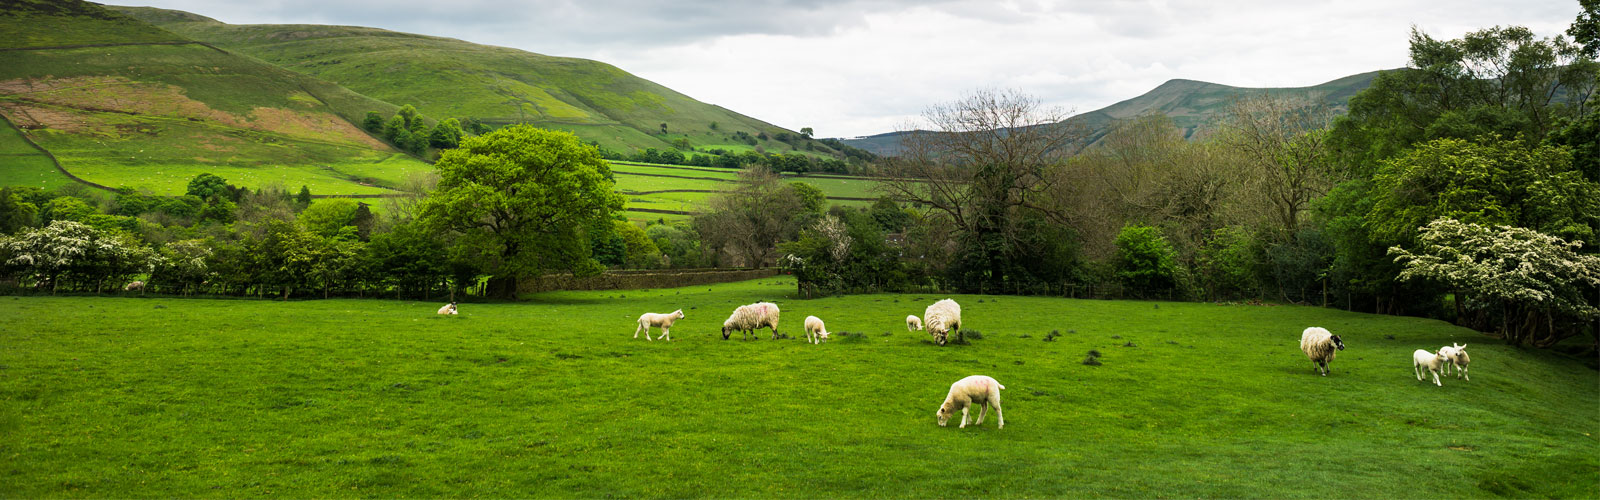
[448,308]
[1456,354]
[943,317]
[815,332]
[1320,346]
[137,285]
[748,318]
[913,323]
[981,390]
[1433,360]
[658,320]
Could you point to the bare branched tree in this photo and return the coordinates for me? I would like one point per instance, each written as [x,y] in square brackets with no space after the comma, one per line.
[752,219]
[1283,141]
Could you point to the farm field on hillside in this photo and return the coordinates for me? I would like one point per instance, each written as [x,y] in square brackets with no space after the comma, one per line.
[21,165]
[129,396]
[688,188]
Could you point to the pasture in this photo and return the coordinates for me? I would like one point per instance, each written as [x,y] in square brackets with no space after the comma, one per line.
[686,189]
[165,397]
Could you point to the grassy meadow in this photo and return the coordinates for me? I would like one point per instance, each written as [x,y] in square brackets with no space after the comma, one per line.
[165,397]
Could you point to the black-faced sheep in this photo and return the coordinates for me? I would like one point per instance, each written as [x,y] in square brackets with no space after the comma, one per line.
[981,390]
[748,318]
[658,320]
[448,308]
[1320,346]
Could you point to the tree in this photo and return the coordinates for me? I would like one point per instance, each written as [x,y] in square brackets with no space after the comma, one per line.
[373,122]
[69,250]
[15,213]
[523,199]
[1145,262]
[641,252]
[304,197]
[412,120]
[1285,147]
[1537,284]
[327,218]
[806,131]
[446,135]
[751,220]
[812,199]
[207,186]
[184,265]
[663,127]
[1586,28]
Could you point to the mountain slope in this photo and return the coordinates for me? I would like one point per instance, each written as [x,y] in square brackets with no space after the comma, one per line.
[1193,106]
[122,103]
[445,77]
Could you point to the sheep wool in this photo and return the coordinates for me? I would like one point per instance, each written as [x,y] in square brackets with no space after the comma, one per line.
[913,323]
[815,331]
[1433,361]
[1320,346]
[981,390]
[448,308]
[942,318]
[748,318]
[658,320]
[1456,354]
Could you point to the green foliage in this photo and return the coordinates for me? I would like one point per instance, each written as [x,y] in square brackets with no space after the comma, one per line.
[67,208]
[1585,30]
[679,245]
[446,135]
[1145,262]
[373,122]
[15,213]
[303,198]
[812,199]
[207,186]
[328,218]
[1582,137]
[67,250]
[641,252]
[889,215]
[184,265]
[1229,263]
[523,198]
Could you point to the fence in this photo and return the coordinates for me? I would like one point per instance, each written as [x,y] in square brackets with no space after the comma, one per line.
[637,279]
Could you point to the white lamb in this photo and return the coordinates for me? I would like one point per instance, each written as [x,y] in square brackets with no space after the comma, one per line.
[658,320]
[943,317]
[133,286]
[1321,346]
[748,318]
[981,390]
[815,332]
[1432,360]
[1456,354]
[913,323]
[448,308]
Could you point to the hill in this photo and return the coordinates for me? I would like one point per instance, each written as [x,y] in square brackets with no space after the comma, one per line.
[1193,106]
[165,397]
[122,103]
[445,77]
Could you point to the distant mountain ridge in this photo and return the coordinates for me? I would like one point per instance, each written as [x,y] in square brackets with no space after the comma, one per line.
[1192,105]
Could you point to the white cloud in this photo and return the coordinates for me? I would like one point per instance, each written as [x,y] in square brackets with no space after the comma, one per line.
[855,67]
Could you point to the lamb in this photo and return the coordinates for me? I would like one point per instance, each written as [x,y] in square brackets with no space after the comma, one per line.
[748,318]
[981,390]
[658,320]
[913,323]
[943,317]
[815,332]
[1433,360]
[1456,354]
[448,308]
[1320,346]
[137,285]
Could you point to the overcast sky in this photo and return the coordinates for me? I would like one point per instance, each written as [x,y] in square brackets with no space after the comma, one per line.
[859,67]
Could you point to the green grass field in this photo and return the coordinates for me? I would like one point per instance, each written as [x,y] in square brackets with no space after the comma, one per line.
[689,181]
[162,397]
[21,165]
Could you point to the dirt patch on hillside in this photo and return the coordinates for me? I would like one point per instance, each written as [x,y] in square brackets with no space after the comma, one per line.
[321,126]
[34,117]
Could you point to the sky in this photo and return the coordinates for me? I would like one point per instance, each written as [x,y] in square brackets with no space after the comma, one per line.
[859,67]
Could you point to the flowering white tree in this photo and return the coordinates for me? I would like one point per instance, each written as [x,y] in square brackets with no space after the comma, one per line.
[1538,284]
[72,250]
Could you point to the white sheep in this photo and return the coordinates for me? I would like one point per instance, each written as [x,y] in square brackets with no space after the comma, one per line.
[136,285]
[748,318]
[1432,360]
[448,308]
[1456,354]
[913,323]
[943,317]
[815,332]
[1321,346]
[981,390]
[658,320]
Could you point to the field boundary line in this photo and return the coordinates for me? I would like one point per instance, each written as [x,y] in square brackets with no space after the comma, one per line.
[52,157]
[116,44]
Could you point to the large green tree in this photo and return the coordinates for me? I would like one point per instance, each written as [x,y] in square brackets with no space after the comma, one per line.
[523,199]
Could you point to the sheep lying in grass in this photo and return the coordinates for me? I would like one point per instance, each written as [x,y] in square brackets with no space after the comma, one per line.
[1320,346]
[943,317]
[1432,360]
[981,390]
[913,323]
[658,320]
[748,318]
[134,286]
[815,331]
[448,308]
[1456,354]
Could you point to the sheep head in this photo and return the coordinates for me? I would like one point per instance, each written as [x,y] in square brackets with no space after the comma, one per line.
[1337,342]
[944,413]
[677,315]
[726,330]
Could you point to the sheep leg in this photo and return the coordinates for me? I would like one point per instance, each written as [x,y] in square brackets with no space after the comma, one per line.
[641,327]
[983,411]
[964,416]
[1463,371]
[1435,377]
[774,332]
[1417,368]
[1001,418]
[665,331]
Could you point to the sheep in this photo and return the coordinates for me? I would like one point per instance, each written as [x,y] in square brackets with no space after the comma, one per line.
[981,390]
[815,332]
[913,323]
[1456,354]
[943,317]
[448,308]
[1320,346]
[1433,360]
[658,320]
[748,318]
[136,285]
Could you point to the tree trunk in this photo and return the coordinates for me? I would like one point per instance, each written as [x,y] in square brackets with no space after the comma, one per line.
[502,287]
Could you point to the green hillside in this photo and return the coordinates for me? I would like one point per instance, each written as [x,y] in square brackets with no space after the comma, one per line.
[1193,106]
[554,398]
[445,77]
[122,103]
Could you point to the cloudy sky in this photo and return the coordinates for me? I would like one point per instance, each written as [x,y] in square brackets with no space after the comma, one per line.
[859,67]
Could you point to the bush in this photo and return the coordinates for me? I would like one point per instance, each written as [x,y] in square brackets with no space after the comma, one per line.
[1145,262]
